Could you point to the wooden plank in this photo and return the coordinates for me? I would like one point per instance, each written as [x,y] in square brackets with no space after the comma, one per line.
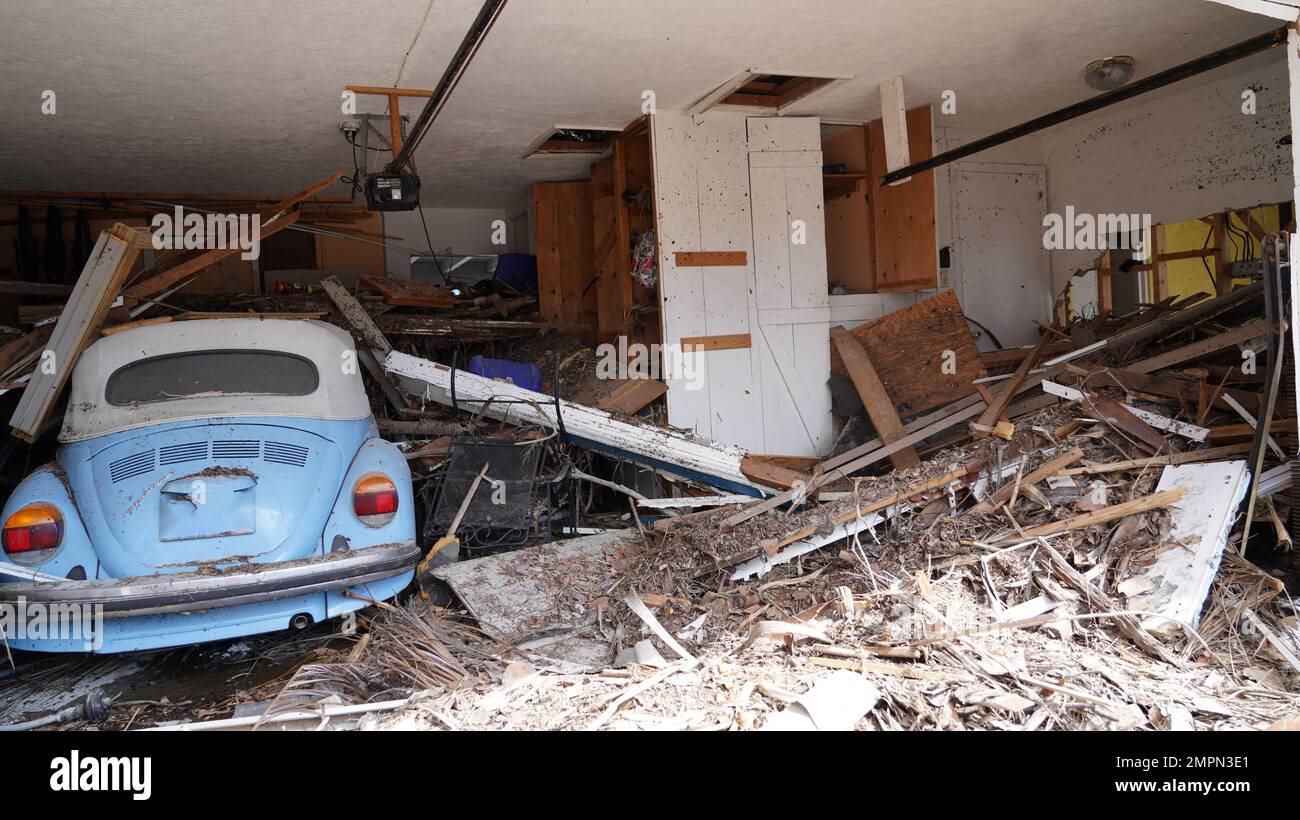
[356,316]
[114,329]
[178,273]
[191,315]
[866,460]
[547,238]
[718,464]
[1197,350]
[1227,432]
[99,283]
[801,464]
[903,215]
[1103,516]
[893,119]
[733,341]
[632,395]
[410,292]
[874,396]
[273,220]
[704,259]
[989,418]
[34,288]
[908,349]
[392,394]
[772,475]
[1160,268]
[1122,419]
[875,505]
[625,396]
[1127,341]
[1210,454]
[385,91]
[1168,386]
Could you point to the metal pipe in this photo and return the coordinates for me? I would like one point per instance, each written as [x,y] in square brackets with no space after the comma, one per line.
[450,77]
[1191,68]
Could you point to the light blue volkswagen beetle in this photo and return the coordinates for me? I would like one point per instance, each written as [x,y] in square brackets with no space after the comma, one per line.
[216,478]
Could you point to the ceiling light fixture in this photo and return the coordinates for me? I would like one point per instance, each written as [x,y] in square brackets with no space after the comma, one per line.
[1109,73]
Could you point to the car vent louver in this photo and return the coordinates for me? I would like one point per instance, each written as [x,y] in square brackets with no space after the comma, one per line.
[129,466]
[290,454]
[178,453]
[236,449]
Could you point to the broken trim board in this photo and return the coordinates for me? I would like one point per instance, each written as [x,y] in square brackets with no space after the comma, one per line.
[1186,565]
[665,448]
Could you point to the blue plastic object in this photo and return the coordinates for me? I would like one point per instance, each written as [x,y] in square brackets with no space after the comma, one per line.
[517,373]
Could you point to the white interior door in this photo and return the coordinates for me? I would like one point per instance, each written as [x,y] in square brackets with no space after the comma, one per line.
[1004,272]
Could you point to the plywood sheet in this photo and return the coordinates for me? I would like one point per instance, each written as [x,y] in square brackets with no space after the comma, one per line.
[907,348]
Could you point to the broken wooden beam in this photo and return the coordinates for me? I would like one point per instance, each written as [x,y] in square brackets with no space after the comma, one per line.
[1197,350]
[989,418]
[675,451]
[107,268]
[1113,512]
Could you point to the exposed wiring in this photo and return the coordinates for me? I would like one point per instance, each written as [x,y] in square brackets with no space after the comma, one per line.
[1204,261]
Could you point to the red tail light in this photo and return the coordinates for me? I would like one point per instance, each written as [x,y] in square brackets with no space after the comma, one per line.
[374,500]
[32,533]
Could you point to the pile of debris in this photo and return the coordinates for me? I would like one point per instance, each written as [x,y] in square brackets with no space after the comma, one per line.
[1087,533]
[1072,555]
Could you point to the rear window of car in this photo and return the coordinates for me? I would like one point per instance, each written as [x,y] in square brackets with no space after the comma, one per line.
[211,373]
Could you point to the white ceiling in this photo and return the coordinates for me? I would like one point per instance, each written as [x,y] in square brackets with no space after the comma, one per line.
[242,96]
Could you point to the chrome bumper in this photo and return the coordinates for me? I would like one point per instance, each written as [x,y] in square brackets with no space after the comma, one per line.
[193,591]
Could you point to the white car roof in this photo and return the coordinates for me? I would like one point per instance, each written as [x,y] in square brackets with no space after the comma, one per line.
[339,395]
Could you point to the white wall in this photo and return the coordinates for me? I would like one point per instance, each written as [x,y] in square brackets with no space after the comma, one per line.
[458,230]
[1178,157]
[1001,238]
